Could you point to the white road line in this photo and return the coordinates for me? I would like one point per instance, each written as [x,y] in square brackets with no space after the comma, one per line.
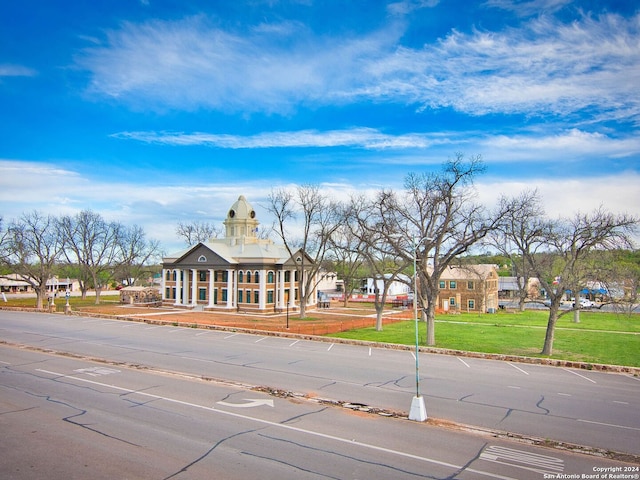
[564,394]
[624,427]
[514,387]
[283,426]
[330,347]
[523,459]
[292,344]
[463,362]
[260,339]
[369,351]
[577,374]
[518,368]
[620,403]
[202,333]
[232,335]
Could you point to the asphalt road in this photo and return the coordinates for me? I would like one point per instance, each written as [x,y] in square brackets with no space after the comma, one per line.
[68,418]
[587,408]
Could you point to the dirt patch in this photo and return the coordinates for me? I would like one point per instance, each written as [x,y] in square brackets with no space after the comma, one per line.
[319,322]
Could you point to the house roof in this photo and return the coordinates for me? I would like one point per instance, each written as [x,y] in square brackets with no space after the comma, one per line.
[464,272]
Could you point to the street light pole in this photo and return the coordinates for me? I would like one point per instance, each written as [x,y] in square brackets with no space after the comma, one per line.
[418,410]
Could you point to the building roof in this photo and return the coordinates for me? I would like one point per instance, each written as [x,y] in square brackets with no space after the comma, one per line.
[464,272]
[240,245]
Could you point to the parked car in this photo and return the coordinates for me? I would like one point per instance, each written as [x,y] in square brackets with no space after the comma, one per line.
[584,303]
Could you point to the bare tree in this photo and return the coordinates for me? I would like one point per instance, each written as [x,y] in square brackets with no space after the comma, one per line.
[436,219]
[512,230]
[94,244]
[135,252]
[365,223]
[345,249]
[318,220]
[558,251]
[197,232]
[33,247]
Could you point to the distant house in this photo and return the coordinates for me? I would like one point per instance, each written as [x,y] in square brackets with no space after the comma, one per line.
[508,288]
[399,287]
[14,283]
[468,288]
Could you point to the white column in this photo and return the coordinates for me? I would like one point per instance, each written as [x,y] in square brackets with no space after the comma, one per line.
[212,275]
[231,293]
[263,290]
[163,284]
[178,288]
[280,287]
[292,288]
[185,287]
[194,286]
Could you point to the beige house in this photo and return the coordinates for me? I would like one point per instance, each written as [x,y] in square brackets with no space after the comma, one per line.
[239,272]
[469,288]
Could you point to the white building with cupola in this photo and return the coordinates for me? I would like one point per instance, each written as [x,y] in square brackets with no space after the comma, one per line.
[240,272]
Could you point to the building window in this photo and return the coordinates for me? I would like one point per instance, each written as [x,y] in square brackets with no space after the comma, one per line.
[168,276]
[452,284]
[240,277]
[452,301]
[248,277]
[240,295]
[256,277]
[248,296]
[287,276]
[202,274]
[202,294]
[470,285]
[270,296]
[202,259]
[270,277]
[224,294]
[225,276]
[167,292]
[443,284]
[256,296]
[175,275]
[472,304]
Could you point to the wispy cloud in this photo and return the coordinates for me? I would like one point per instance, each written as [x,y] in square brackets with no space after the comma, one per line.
[367,138]
[544,67]
[8,70]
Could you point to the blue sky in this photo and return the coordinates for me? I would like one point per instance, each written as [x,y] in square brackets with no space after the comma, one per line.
[153,112]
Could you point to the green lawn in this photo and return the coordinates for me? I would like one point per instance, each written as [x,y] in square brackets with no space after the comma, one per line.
[600,337]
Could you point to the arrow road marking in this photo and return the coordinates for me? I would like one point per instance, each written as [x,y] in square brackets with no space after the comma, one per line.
[252,402]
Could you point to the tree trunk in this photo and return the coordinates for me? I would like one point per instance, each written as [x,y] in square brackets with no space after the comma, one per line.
[576,314]
[547,349]
[429,314]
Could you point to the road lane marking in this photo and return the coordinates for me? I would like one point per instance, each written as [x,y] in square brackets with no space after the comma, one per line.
[625,427]
[522,459]
[260,339]
[577,374]
[292,344]
[463,362]
[330,347]
[232,335]
[349,441]
[518,368]
[250,402]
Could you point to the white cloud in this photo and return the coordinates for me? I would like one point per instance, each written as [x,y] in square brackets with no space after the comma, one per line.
[8,70]
[544,67]
[367,138]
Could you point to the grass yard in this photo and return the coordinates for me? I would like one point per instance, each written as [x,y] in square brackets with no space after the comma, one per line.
[600,337]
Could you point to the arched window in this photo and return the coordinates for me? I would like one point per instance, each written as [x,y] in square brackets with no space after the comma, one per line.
[270,277]
[257,276]
[248,277]
[175,276]
[168,275]
[240,276]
